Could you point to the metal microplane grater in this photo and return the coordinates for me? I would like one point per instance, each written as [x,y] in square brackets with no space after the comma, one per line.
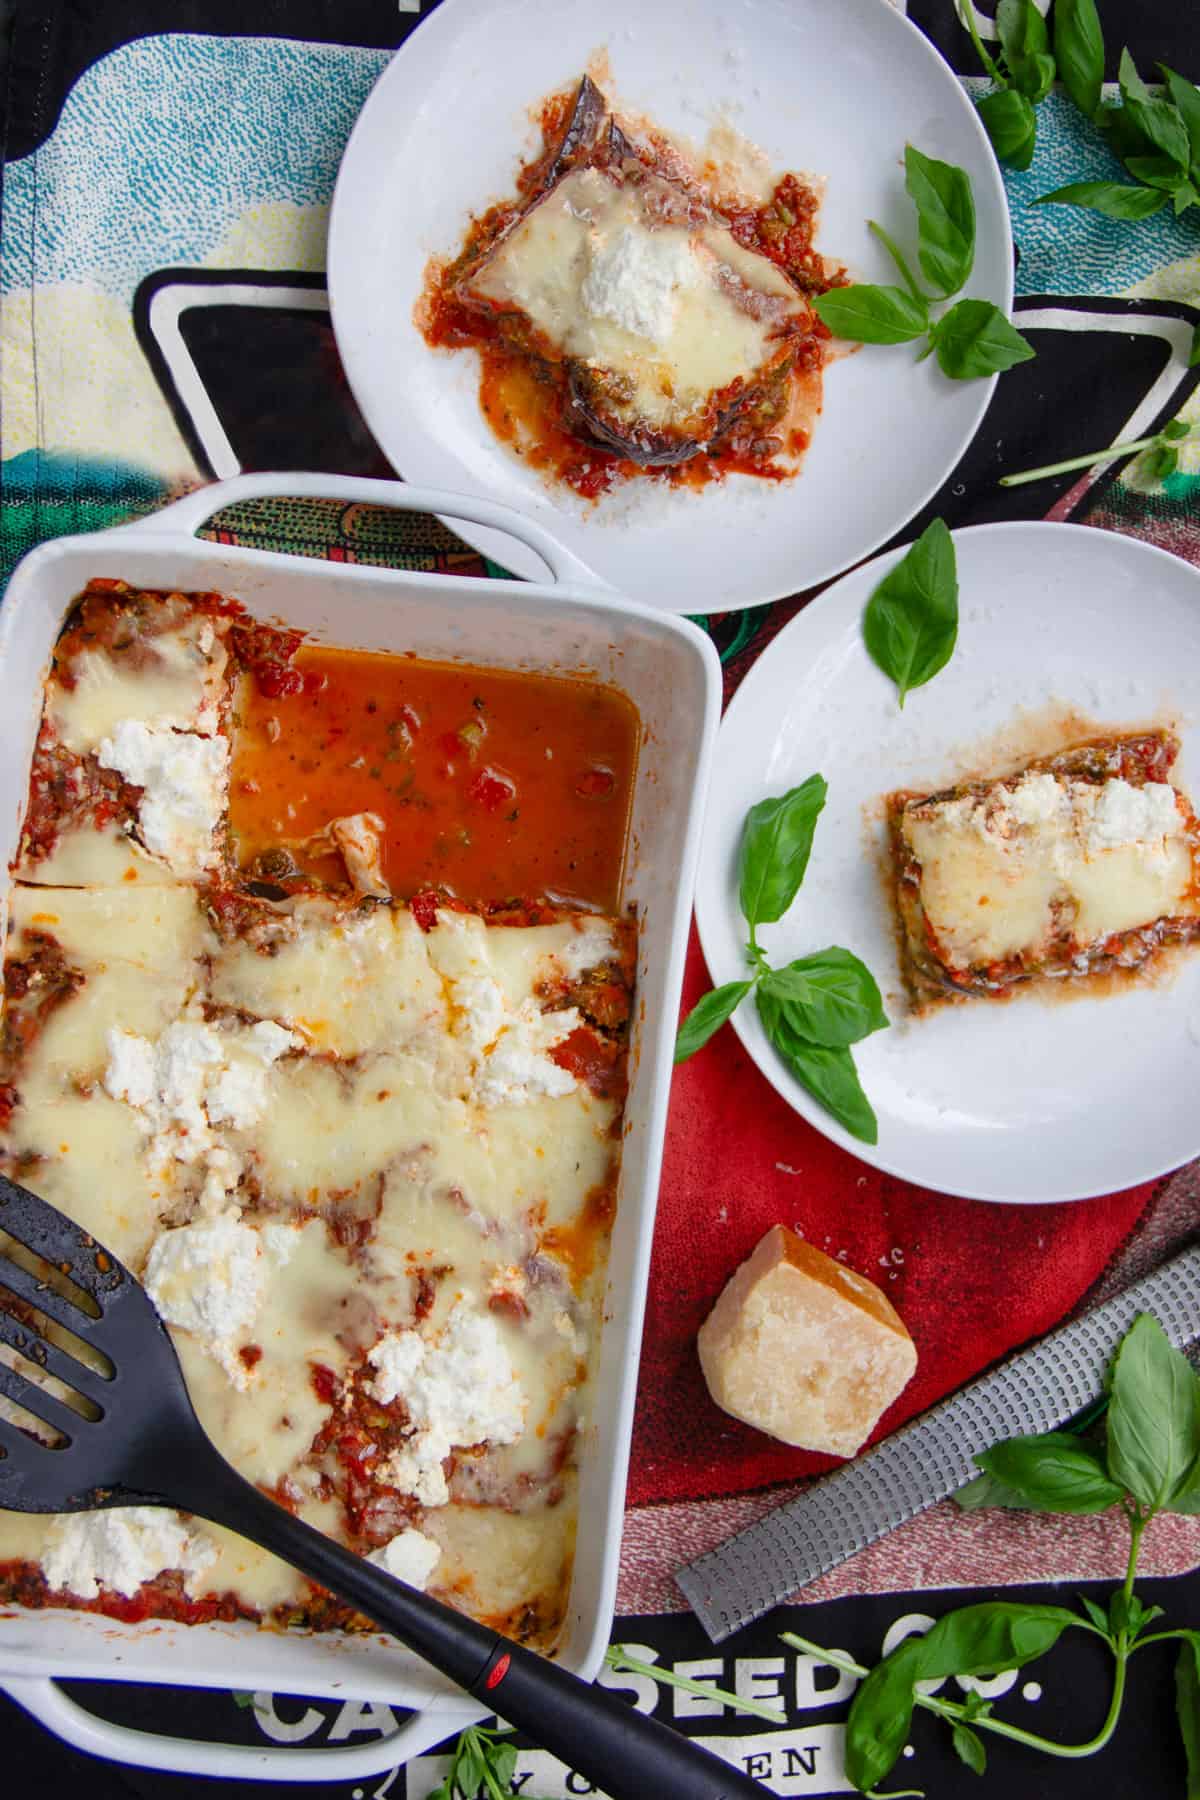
[1036,1390]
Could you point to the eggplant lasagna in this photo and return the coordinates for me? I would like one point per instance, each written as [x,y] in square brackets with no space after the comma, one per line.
[363,1153]
[630,318]
[1080,862]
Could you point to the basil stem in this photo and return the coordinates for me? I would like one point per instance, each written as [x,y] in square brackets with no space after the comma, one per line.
[1092,457]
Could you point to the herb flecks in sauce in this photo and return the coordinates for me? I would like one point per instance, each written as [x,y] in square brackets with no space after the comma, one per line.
[488,783]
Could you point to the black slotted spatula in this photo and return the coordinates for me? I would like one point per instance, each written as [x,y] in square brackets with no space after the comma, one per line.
[137,1442]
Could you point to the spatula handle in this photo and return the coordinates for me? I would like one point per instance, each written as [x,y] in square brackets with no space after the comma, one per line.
[626,1754]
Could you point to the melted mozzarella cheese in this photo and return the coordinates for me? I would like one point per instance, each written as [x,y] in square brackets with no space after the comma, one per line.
[375,1108]
[1015,871]
[177,684]
[349,982]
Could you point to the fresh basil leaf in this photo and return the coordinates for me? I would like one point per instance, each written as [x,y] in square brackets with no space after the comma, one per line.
[1157,120]
[504,1764]
[975,339]
[1054,1472]
[1125,136]
[975,1640]
[707,1017]
[1011,124]
[872,315]
[1079,52]
[1187,103]
[1183,196]
[443,1791]
[1162,128]
[986,1490]
[1153,1417]
[975,1706]
[1129,1615]
[1114,199]
[469,1764]
[1187,1706]
[1132,85]
[941,193]
[1160,463]
[880,1715]
[991,1636]
[829,998]
[1175,430]
[828,1074]
[968,1747]
[1021,30]
[1033,76]
[776,844]
[911,620]
[1095,1613]
[1154,171]
[1026,46]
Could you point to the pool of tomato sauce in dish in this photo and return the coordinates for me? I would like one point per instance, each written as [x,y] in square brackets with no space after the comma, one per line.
[491,784]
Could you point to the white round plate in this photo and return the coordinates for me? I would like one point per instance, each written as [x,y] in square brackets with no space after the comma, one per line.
[1034,1098]
[832,87]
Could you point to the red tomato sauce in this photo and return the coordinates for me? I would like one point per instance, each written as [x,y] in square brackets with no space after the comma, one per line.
[490,783]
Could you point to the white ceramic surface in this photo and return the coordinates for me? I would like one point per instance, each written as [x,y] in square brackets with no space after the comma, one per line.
[670,671]
[831,87]
[1032,1099]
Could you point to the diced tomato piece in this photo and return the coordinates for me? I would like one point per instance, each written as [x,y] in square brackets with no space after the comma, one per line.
[492,790]
[595,784]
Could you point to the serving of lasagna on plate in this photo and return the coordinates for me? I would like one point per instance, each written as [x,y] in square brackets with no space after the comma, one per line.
[316,1009]
[1079,863]
[633,314]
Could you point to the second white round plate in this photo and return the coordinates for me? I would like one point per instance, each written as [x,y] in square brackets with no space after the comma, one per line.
[835,88]
[1063,629]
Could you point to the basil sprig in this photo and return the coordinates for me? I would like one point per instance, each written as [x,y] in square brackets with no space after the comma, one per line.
[481,1762]
[974,337]
[1157,138]
[1147,1462]
[1024,68]
[910,625]
[814,1008]
[1162,448]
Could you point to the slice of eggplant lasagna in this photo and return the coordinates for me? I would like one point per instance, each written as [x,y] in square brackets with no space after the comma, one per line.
[655,321]
[1079,862]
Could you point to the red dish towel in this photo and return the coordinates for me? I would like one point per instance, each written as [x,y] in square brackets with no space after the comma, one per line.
[971,1280]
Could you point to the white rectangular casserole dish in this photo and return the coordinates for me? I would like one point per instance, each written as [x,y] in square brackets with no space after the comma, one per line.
[670,671]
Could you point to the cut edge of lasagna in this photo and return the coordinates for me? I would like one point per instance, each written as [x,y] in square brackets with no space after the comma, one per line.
[1079,862]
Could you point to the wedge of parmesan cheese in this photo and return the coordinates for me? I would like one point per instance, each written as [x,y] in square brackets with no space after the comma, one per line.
[803,1348]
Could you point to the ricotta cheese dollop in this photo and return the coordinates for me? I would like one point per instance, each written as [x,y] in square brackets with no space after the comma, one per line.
[208,1279]
[511,1047]
[190,1079]
[412,1557]
[123,1547]
[183,778]
[459,1387]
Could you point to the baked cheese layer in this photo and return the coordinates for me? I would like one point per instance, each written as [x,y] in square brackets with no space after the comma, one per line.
[1020,868]
[676,311]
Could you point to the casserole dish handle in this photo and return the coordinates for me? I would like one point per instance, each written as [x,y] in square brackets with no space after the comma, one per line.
[184,517]
[83,1730]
